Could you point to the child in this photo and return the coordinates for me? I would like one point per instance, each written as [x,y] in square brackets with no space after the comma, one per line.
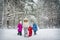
[25,25]
[29,31]
[34,28]
[20,28]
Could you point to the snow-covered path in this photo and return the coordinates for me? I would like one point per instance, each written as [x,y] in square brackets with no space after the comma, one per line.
[42,34]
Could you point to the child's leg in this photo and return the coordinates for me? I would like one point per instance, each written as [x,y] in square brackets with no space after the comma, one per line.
[25,32]
[20,33]
[30,33]
[34,32]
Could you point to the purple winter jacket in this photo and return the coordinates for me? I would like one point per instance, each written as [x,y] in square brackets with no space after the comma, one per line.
[19,27]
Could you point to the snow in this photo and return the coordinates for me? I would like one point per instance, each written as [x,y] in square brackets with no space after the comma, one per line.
[35,1]
[42,34]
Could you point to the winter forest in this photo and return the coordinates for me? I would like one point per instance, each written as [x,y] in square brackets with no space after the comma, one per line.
[46,13]
[29,19]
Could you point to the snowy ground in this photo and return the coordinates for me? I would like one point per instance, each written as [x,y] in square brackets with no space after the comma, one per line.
[42,34]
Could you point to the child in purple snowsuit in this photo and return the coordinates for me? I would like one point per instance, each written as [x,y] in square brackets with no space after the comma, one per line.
[19,28]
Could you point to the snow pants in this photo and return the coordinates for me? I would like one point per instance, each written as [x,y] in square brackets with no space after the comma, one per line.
[25,32]
[20,33]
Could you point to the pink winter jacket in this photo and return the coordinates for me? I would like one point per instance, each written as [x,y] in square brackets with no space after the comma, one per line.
[19,27]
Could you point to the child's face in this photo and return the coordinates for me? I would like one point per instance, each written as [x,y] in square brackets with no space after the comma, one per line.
[20,21]
[25,20]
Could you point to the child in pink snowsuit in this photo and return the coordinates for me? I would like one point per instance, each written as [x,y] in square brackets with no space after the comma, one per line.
[19,28]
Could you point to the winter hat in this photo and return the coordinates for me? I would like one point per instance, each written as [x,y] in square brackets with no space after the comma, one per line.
[25,19]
